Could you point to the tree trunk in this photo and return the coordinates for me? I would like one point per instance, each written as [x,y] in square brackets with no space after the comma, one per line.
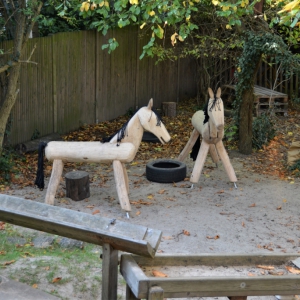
[22,30]
[245,123]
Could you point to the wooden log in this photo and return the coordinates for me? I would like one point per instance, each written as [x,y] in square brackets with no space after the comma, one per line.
[109,272]
[169,109]
[77,185]
[226,161]
[56,173]
[189,145]
[214,153]
[90,152]
[121,185]
[199,162]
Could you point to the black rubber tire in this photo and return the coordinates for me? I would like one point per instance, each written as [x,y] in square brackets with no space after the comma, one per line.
[150,137]
[165,171]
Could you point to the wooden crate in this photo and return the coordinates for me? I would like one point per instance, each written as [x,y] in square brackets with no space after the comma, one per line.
[141,285]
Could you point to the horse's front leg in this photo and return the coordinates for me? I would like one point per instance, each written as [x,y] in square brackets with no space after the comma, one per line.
[189,145]
[199,162]
[121,185]
[57,169]
[226,161]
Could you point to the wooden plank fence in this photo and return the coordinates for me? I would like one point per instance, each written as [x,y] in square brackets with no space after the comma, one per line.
[74,82]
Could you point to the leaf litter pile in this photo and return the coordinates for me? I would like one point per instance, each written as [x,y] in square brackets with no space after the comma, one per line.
[270,160]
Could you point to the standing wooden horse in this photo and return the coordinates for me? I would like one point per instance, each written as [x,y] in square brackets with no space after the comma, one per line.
[209,123]
[118,149]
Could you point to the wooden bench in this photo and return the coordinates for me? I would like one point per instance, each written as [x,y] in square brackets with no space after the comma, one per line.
[111,234]
[207,284]
[265,99]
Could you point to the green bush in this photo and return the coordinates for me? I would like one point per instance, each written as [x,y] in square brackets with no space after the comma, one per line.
[6,164]
[262,131]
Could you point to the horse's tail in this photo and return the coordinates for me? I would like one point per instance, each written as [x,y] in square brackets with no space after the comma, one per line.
[39,181]
[195,149]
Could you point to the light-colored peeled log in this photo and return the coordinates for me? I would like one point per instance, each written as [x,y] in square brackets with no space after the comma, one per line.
[121,185]
[213,153]
[199,162]
[189,145]
[90,152]
[125,177]
[57,170]
[226,162]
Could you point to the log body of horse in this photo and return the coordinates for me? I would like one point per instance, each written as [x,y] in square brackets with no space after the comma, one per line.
[118,149]
[210,125]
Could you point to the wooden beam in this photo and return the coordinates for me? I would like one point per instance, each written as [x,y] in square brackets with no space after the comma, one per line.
[81,226]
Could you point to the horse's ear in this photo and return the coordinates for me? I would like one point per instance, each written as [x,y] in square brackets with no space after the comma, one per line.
[150,104]
[218,95]
[211,93]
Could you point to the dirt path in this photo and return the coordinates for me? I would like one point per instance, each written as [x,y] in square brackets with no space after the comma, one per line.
[261,215]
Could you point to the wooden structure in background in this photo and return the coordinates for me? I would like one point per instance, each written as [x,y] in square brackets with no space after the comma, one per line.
[266,100]
[112,235]
[169,109]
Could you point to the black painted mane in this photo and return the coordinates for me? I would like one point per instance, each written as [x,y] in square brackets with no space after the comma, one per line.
[121,132]
[213,105]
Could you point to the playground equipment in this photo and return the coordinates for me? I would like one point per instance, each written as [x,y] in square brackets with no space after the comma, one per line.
[209,123]
[117,149]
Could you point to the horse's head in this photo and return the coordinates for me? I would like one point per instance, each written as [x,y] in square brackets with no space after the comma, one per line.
[152,122]
[215,109]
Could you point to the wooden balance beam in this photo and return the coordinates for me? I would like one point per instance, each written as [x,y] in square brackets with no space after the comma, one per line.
[96,152]
[112,235]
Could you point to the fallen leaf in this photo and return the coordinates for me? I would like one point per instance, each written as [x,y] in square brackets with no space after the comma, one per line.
[213,237]
[159,274]
[35,286]
[161,191]
[56,279]
[265,267]
[292,270]
[274,273]
[278,207]
[90,206]
[252,205]
[97,211]
[251,274]
[185,232]
[8,262]
[47,268]
[167,237]
[138,213]
[150,196]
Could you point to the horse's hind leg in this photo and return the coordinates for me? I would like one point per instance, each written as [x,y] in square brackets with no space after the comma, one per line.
[125,177]
[57,169]
[121,185]
[226,161]
[214,153]
[189,145]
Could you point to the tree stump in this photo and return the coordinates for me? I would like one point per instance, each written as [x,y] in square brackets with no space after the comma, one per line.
[169,109]
[77,185]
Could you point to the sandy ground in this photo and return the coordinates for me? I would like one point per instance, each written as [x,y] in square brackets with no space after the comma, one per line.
[261,216]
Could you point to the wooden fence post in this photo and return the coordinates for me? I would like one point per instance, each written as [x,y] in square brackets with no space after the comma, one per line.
[109,272]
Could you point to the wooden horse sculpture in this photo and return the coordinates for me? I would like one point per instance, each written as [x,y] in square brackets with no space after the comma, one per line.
[209,123]
[118,149]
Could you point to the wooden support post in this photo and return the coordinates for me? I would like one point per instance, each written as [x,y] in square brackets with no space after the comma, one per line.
[156,293]
[121,185]
[77,185]
[226,161]
[199,162]
[57,170]
[109,272]
[129,294]
[189,145]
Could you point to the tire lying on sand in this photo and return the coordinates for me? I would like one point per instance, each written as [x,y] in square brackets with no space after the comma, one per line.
[165,171]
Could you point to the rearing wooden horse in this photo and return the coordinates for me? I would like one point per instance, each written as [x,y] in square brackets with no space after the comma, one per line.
[209,123]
